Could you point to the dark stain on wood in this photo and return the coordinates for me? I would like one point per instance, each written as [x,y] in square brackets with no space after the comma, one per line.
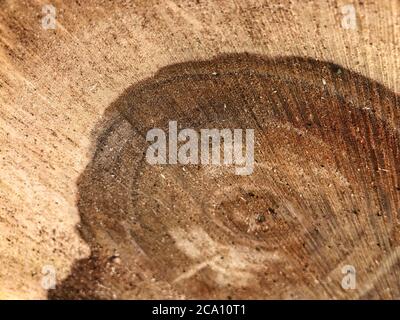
[327,142]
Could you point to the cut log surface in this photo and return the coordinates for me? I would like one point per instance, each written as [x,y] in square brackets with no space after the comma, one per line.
[78,197]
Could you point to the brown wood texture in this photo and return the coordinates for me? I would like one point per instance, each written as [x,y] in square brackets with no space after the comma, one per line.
[76,194]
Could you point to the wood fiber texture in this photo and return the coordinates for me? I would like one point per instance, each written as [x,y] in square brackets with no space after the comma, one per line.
[76,194]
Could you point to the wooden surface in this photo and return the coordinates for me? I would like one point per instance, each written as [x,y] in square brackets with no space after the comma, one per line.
[55,88]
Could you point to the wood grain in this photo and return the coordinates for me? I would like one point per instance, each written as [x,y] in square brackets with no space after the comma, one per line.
[338,154]
[325,183]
